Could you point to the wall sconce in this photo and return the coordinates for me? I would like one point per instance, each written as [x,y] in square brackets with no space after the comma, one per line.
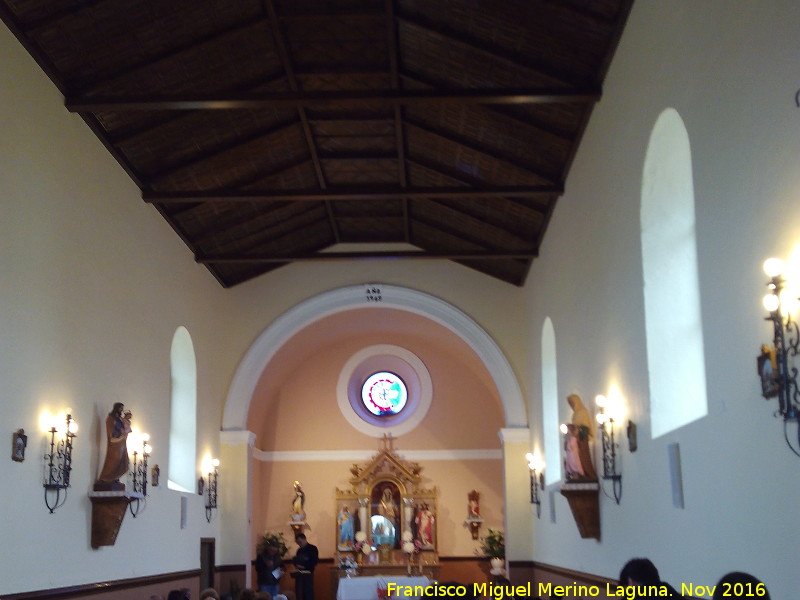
[59,465]
[211,488]
[139,474]
[606,422]
[777,377]
[536,465]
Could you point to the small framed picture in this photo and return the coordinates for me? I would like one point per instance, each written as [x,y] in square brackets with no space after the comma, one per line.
[19,441]
[767,370]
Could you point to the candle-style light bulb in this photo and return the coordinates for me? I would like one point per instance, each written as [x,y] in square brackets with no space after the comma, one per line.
[773,267]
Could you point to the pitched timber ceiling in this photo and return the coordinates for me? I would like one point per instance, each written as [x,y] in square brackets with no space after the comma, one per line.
[270,131]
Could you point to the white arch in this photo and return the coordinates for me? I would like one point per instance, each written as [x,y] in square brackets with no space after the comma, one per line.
[258,356]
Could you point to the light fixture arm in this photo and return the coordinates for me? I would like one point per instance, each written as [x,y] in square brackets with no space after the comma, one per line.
[536,466]
[139,477]
[535,498]
[211,502]
[786,345]
[610,458]
[59,467]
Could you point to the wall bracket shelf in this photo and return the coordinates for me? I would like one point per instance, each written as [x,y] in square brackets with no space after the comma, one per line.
[108,510]
[584,502]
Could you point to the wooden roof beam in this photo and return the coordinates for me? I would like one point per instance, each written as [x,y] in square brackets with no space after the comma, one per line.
[379,193]
[335,99]
[399,255]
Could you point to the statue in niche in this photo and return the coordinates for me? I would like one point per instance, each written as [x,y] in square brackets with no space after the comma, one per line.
[385,520]
[299,502]
[474,505]
[577,455]
[425,519]
[118,426]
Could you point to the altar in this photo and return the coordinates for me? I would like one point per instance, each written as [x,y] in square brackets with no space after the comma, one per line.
[367,588]
[426,570]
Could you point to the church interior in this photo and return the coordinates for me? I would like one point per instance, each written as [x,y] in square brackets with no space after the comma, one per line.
[282,380]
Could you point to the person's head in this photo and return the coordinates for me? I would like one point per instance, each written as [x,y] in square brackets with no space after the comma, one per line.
[301,539]
[116,411]
[736,585]
[639,571]
[209,593]
[272,548]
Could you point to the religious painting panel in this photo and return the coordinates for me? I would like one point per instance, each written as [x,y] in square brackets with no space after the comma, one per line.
[423,522]
[347,523]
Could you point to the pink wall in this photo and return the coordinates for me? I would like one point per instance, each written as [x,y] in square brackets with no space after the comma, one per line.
[295,409]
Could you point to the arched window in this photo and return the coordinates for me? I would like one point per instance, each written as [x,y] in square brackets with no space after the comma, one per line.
[675,356]
[552,442]
[183,413]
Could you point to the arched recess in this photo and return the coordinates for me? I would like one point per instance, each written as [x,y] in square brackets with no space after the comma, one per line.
[552,438]
[671,282]
[258,356]
[183,413]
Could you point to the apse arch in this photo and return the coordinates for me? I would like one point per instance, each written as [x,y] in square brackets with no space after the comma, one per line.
[282,329]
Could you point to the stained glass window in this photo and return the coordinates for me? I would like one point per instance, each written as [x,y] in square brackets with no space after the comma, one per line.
[384,393]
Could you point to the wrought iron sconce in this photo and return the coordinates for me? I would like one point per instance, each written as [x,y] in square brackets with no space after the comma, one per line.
[536,466]
[606,422]
[139,474]
[211,489]
[59,465]
[778,378]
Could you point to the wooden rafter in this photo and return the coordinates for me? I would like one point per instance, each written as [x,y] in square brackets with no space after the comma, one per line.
[339,99]
[335,256]
[375,193]
[286,62]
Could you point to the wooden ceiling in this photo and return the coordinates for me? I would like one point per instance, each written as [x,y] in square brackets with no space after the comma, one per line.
[270,131]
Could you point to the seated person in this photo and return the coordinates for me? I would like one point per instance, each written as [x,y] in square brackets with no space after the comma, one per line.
[641,572]
[750,587]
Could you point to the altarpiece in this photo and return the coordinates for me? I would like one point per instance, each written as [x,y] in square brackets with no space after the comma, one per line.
[387,508]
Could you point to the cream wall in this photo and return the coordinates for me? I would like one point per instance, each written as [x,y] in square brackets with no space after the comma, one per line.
[730,70]
[94,285]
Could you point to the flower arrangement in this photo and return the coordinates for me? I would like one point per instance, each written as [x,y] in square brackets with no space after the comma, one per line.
[410,545]
[361,544]
[494,544]
[346,563]
[272,537]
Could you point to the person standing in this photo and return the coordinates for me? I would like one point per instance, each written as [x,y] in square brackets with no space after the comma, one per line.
[269,568]
[305,559]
